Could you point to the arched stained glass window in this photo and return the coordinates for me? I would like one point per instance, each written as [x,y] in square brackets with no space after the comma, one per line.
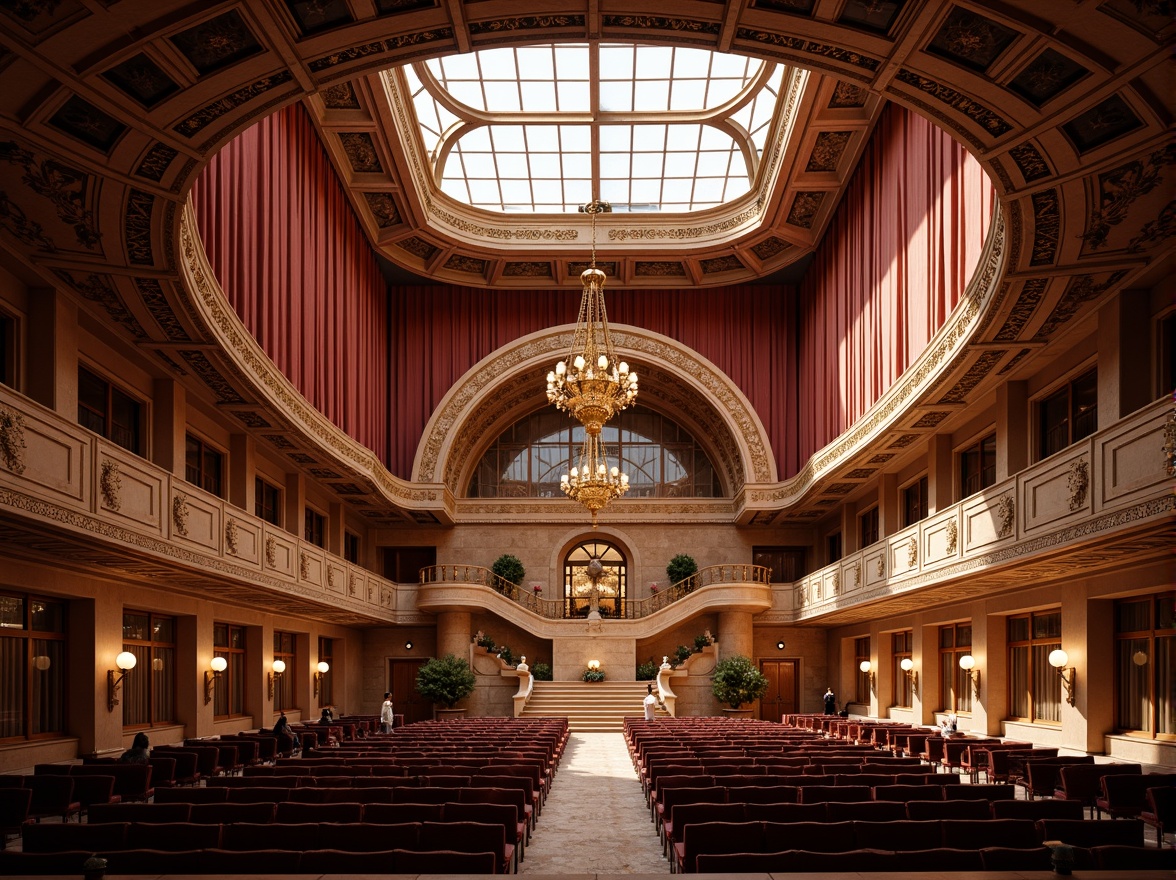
[611,585]
[662,459]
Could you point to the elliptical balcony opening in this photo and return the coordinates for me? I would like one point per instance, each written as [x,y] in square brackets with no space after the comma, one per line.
[544,129]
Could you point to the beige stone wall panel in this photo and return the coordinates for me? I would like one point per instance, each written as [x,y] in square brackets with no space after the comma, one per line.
[1046,495]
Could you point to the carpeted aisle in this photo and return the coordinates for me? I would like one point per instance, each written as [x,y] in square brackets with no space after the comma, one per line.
[595,819]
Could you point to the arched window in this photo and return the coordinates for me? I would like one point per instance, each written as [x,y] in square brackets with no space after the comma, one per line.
[612,583]
[661,458]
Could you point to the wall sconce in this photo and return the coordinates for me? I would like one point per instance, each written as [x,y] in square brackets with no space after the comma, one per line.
[593,665]
[1058,660]
[126,662]
[1139,658]
[219,665]
[908,666]
[272,678]
[408,646]
[323,668]
[780,645]
[42,662]
[968,664]
[867,667]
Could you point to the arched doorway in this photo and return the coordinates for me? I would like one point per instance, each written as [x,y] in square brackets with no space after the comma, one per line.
[612,583]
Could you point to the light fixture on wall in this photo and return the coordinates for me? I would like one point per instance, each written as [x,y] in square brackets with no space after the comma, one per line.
[867,667]
[594,665]
[1058,660]
[125,662]
[780,645]
[1139,658]
[218,665]
[272,678]
[908,666]
[592,385]
[968,664]
[41,663]
[408,646]
[323,668]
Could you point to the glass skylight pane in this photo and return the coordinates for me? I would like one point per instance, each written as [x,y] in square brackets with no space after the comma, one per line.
[497,64]
[508,138]
[542,138]
[687,94]
[676,190]
[647,164]
[722,90]
[571,62]
[573,97]
[536,63]
[545,165]
[691,63]
[538,97]
[646,191]
[708,189]
[475,139]
[513,166]
[653,95]
[734,65]
[577,191]
[713,163]
[468,93]
[616,97]
[654,62]
[616,137]
[454,67]
[614,165]
[447,118]
[516,192]
[649,137]
[577,165]
[616,62]
[456,188]
[713,139]
[680,164]
[502,97]
[485,192]
[615,191]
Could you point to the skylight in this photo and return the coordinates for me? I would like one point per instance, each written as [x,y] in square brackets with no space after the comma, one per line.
[544,129]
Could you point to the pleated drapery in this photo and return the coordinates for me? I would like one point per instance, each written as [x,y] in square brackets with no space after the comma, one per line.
[298,269]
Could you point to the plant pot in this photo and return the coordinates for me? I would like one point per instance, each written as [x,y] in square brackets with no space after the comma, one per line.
[450,714]
[738,713]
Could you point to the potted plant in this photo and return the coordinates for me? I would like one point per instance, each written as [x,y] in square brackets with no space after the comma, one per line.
[681,654]
[485,641]
[681,568]
[593,672]
[701,641]
[541,672]
[507,655]
[737,682]
[647,671]
[445,680]
[510,569]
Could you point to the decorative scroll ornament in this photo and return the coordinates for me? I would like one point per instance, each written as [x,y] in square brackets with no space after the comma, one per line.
[912,552]
[12,442]
[952,535]
[231,536]
[1006,512]
[110,483]
[180,514]
[330,577]
[352,585]
[881,566]
[271,552]
[836,583]
[303,565]
[857,575]
[1078,482]
[592,385]
[1170,444]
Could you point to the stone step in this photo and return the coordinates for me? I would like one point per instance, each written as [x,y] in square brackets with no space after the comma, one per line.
[590,707]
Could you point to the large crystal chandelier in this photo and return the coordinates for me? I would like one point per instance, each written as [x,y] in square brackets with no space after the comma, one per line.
[592,386]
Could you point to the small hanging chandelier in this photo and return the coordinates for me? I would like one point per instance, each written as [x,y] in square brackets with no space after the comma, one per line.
[592,385]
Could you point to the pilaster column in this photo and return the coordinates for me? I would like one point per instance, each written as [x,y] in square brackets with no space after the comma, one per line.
[52,378]
[295,501]
[1124,356]
[241,472]
[453,634]
[1012,429]
[169,416]
[888,521]
[735,634]
[940,473]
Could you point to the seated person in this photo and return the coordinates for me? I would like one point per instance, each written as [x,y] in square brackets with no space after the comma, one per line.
[282,728]
[138,752]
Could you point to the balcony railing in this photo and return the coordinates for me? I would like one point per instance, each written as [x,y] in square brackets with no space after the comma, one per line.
[611,607]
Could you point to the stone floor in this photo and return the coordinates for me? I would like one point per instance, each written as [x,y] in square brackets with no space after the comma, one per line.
[595,820]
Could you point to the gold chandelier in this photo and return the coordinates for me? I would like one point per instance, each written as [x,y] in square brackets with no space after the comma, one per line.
[592,385]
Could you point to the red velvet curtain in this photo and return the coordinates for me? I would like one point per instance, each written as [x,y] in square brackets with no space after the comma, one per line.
[297,268]
[440,332]
[894,262]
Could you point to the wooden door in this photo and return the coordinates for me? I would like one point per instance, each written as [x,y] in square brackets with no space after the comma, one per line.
[405,699]
[782,696]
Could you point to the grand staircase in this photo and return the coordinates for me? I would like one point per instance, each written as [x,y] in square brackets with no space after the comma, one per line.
[590,707]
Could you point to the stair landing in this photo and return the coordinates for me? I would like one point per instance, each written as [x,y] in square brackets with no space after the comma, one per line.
[590,707]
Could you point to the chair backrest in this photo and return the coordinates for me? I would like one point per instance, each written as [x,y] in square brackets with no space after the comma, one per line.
[958,809]
[816,794]
[1042,808]
[463,837]
[969,834]
[62,837]
[289,812]
[443,862]
[908,793]
[719,837]
[139,812]
[173,836]
[813,836]
[1088,833]
[898,835]
[398,813]
[259,813]
[789,812]
[866,811]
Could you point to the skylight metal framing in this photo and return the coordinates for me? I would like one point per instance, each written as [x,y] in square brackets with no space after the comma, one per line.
[626,156]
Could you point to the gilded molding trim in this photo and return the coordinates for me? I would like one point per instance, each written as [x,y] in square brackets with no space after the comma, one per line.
[12,441]
[1006,512]
[1078,481]
[110,483]
[231,536]
[180,514]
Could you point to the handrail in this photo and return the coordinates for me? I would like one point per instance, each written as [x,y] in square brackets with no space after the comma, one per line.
[553,609]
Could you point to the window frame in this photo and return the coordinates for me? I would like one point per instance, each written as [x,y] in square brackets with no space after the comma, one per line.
[901,647]
[861,651]
[955,691]
[919,485]
[351,546]
[314,527]
[1037,671]
[1145,640]
[262,488]
[138,432]
[286,650]
[154,649]
[28,634]
[868,531]
[10,327]
[985,475]
[1065,388]
[326,652]
[203,452]
[777,556]
[229,691]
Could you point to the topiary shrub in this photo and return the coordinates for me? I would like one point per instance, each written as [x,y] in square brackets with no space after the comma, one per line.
[647,671]
[680,568]
[445,680]
[509,568]
[737,681]
[681,654]
[541,672]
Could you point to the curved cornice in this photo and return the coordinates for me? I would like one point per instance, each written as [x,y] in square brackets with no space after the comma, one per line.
[505,382]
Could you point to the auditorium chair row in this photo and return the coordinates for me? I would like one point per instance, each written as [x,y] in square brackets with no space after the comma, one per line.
[896,836]
[237,862]
[941,862]
[468,827]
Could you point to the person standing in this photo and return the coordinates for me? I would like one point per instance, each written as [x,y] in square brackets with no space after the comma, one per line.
[386,716]
[650,702]
[830,702]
